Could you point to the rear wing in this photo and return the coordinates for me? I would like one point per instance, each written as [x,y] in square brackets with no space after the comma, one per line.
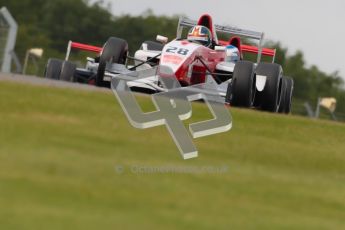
[264,51]
[81,46]
[185,22]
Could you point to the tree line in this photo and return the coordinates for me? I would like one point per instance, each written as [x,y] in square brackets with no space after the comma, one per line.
[51,24]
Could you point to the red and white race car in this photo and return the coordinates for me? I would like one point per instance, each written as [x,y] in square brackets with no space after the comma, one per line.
[192,60]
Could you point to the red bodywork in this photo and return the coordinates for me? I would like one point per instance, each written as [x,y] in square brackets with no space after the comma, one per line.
[209,56]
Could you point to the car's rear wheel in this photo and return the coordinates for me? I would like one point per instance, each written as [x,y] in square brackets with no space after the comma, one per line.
[241,91]
[67,71]
[286,98]
[271,95]
[114,51]
[53,68]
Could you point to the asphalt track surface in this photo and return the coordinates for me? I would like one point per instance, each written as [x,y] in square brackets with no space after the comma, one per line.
[33,80]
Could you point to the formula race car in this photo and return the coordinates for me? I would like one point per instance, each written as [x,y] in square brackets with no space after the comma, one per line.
[192,59]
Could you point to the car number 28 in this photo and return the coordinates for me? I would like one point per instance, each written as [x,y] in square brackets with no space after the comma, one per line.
[173,49]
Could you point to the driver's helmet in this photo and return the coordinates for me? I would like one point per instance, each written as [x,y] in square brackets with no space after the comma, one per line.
[200,34]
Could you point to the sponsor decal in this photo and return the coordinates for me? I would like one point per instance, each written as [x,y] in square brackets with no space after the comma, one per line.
[171,58]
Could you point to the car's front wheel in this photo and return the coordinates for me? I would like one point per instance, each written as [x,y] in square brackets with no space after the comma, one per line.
[114,51]
[241,91]
[271,95]
[286,98]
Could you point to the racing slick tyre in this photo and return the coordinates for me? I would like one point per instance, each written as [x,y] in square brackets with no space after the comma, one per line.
[67,71]
[53,69]
[151,45]
[242,89]
[271,95]
[282,100]
[114,51]
[286,98]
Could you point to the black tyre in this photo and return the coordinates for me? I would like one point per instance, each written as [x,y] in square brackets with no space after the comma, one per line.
[67,71]
[151,45]
[114,51]
[53,69]
[271,95]
[241,91]
[282,100]
[286,98]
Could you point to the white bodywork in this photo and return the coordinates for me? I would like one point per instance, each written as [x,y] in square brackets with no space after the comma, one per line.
[172,58]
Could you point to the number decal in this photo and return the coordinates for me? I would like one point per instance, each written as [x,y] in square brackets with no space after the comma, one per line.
[171,49]
[181,51]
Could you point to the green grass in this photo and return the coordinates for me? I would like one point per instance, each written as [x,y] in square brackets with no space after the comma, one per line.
[59,149]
